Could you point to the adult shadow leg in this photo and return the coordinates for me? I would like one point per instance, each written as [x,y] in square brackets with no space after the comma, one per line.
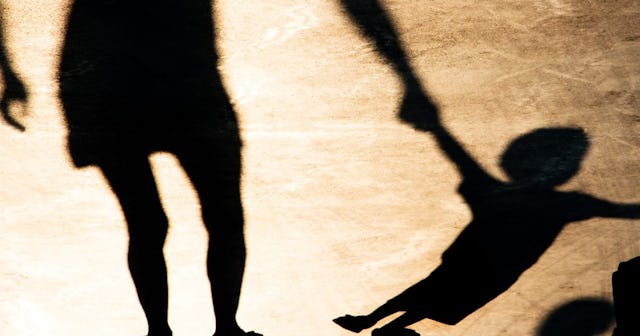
[214,169]
[131,179]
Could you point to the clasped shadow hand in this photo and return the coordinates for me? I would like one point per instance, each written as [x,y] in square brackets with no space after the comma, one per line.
[417,110]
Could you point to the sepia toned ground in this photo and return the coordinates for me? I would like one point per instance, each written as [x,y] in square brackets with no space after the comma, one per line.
[345,206]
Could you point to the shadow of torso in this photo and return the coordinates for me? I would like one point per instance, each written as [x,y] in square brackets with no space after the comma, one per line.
[511,228]
[140,74]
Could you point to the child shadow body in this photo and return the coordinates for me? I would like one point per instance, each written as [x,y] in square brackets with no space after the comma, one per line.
[513,224]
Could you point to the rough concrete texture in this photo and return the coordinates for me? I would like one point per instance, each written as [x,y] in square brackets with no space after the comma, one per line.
[345,206]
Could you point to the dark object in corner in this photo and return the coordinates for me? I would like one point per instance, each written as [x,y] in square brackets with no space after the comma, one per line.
[626,297]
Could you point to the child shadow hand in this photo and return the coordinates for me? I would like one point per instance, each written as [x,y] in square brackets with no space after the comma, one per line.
[417,110]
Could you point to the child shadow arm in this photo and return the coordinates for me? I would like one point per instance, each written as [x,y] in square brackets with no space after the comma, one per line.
[466,165]
[604,208]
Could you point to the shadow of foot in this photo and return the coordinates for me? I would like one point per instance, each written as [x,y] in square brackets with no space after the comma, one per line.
[394,332]
[354,323]
[240,332]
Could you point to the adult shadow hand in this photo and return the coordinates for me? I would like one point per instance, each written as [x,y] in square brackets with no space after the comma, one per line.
[13,92]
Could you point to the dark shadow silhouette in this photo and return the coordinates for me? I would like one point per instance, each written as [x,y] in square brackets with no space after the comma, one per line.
[513,225]
[583,317]
[416,108]
[138,77]
[626,297]
[13,90]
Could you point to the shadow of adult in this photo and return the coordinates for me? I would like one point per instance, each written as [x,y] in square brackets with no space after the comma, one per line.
[582,317]
[13,89]
[513,225]
[375,23]
[138,77]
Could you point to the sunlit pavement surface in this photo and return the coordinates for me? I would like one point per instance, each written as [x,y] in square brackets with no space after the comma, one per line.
[345,206]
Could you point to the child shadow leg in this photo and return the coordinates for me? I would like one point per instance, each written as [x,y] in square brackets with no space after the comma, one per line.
[398,327]
[355,323]
[397,304]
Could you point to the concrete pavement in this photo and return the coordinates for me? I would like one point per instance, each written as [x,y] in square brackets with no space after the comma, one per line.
[345,206]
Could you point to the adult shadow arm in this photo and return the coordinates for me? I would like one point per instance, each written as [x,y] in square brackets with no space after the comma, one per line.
[375,24]
[416,107]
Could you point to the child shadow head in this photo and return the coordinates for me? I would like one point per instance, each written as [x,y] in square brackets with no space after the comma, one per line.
[581,317]
[545,157]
